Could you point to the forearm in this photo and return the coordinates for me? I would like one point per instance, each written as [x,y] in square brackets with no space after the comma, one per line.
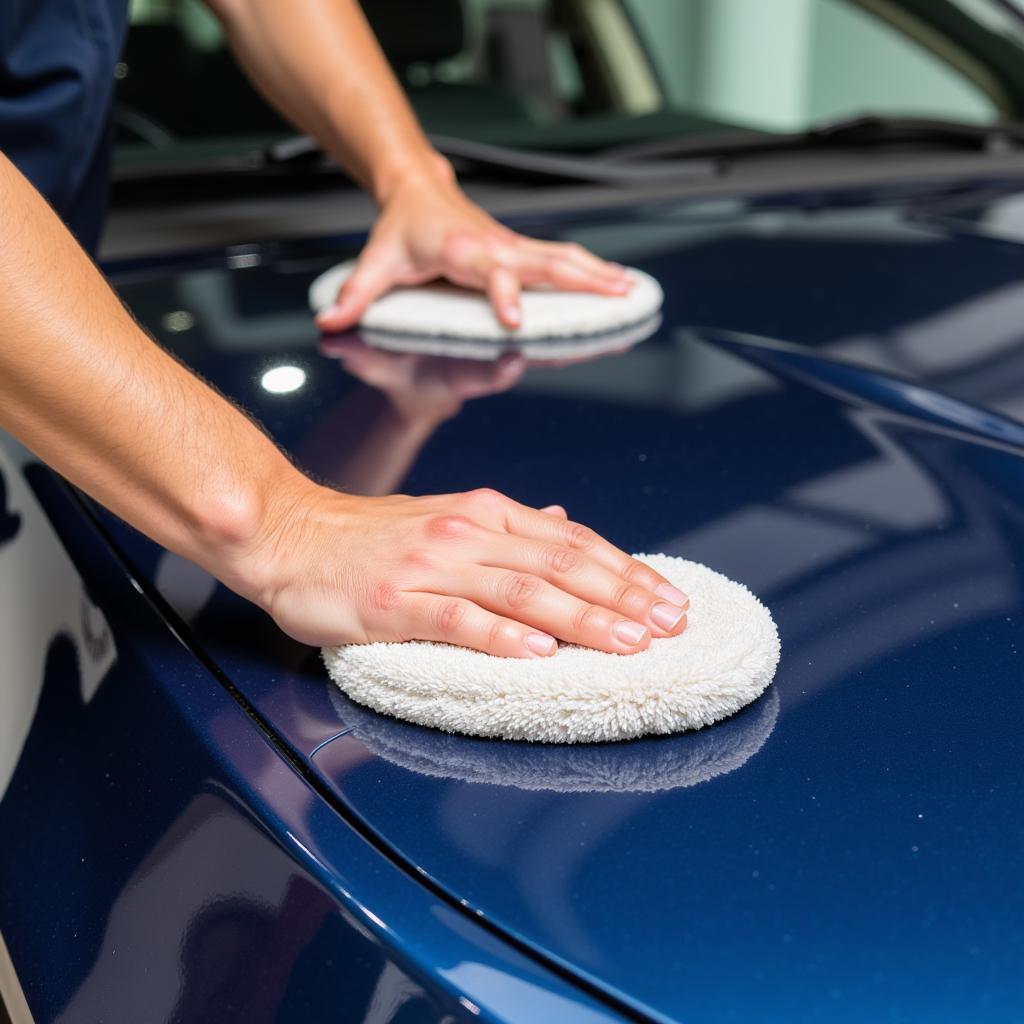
[319,63]
[85,388]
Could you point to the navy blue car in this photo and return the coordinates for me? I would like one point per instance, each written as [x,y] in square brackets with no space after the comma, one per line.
[197,826]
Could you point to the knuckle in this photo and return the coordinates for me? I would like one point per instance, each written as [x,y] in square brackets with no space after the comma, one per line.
[497,633]
[418,558]
[456,246]
[563,560]
[505,257]
[484,501]
[631,599]
[450,616]
[520,589]
[384,595]
[485,494]
[636,572]
[587,617]
[579,537]
[448,527]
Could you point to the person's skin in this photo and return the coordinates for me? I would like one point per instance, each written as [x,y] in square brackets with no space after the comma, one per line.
[84,387]
[319,63]
[90,393]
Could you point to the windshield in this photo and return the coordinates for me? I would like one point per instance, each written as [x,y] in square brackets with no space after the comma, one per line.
[584,75]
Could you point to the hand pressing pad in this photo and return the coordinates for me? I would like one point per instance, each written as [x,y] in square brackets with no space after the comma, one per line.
[440,309]
[724,659]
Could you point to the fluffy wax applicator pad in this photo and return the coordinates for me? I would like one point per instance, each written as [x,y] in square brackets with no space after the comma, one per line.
[724,659]
[440,309]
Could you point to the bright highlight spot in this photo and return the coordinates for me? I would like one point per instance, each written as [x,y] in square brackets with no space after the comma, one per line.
[283,379]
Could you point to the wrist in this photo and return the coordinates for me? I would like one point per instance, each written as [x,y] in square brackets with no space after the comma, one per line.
[243,536]
[427,168]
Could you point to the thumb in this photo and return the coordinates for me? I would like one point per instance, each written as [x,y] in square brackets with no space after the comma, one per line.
[371,279]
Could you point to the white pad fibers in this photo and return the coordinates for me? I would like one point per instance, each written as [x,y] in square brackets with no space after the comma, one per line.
[724,659]
[446,310]
[581,348]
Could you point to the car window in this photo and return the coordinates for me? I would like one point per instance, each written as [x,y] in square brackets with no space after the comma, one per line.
[587,74]
[789,63]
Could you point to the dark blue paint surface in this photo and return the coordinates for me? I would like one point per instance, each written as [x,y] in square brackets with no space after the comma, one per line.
[162,861]
[829,413]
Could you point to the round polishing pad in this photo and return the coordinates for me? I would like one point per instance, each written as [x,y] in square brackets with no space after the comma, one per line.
[540,350]
[724,659]
[443,309]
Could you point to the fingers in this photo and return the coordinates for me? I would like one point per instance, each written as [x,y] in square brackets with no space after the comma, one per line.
[521,597]
[503,291]
[571,268]
[504,264]
[573,572]
[498,513]
[371,279]
[454,620]
[527,522]
[555,510]
[585,259]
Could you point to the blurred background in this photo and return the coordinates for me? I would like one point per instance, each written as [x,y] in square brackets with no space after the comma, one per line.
[584,74]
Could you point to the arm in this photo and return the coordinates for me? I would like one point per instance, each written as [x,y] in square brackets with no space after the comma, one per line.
[93,396]
[319,63]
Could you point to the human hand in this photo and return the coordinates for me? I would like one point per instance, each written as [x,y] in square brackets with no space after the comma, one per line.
[427,229]
[474,569]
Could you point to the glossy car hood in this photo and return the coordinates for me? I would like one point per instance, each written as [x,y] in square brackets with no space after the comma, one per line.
[828,413]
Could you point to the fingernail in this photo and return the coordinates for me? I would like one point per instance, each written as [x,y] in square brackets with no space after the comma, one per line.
[328,314]
[512,315]
[627,632]
[672,594]
[666,615]
[540,644]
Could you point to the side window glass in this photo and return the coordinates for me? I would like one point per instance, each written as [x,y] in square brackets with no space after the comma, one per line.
[787,64]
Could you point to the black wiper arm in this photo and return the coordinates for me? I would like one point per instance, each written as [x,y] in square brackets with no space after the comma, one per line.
[529,164]
[857,131]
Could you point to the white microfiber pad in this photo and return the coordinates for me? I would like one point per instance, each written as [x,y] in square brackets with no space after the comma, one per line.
[724,659]
[443,309]
[580,348]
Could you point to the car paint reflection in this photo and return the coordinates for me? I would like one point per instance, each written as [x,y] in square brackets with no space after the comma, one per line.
[644,766]
[42,598]
[866,843]
[162,860]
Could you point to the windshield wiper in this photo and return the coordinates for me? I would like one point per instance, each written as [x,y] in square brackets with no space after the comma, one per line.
[664,161]
[527,164]
[868,131]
